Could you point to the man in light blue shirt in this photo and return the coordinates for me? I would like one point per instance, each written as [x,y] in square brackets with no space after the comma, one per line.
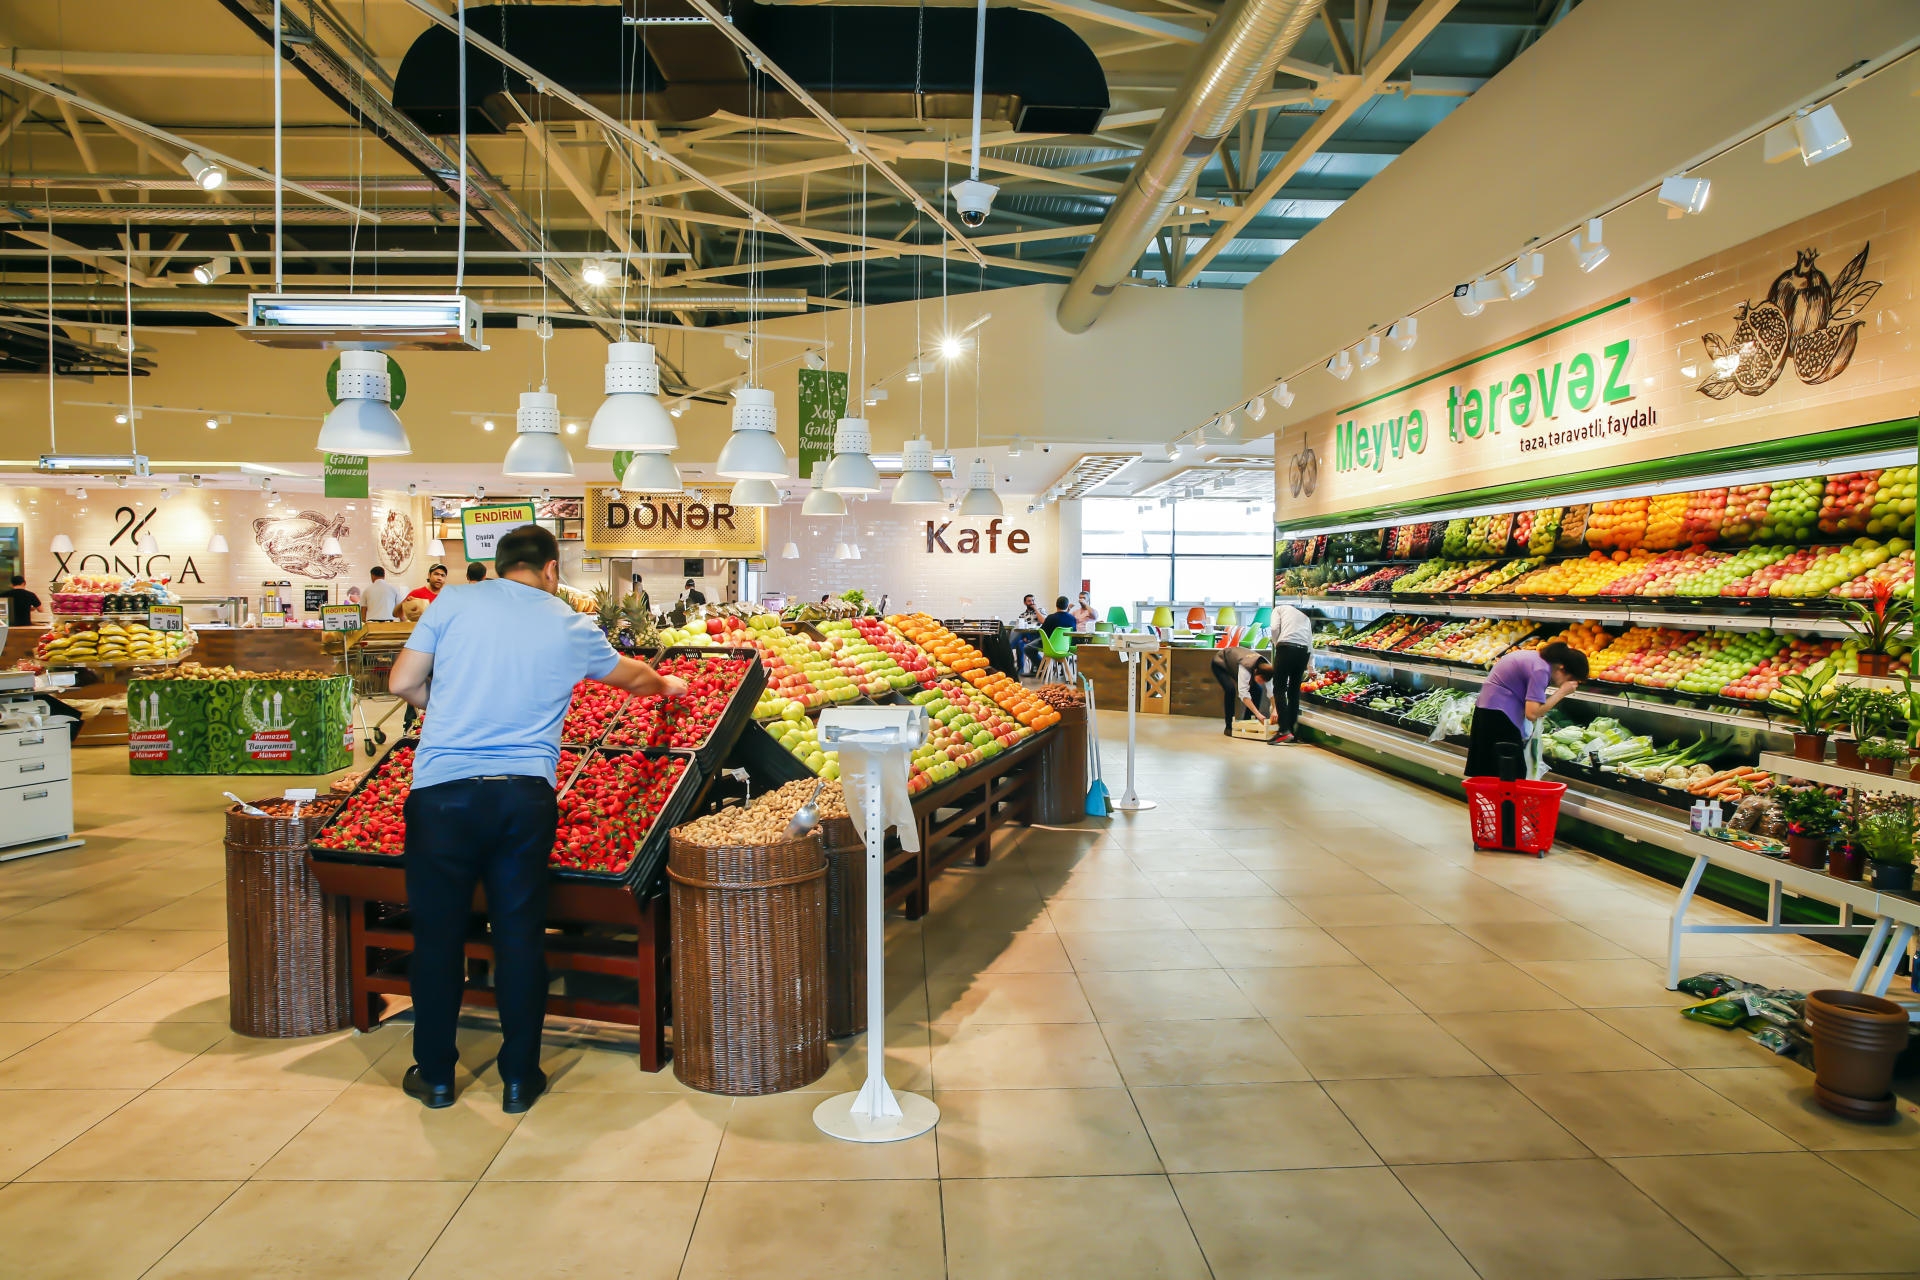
[494,666]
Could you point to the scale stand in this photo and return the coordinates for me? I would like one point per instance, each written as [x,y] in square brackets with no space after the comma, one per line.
[1131,649]
[885,735]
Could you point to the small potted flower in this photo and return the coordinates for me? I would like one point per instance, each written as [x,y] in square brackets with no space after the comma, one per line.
[1809,702]
[1879,623]
[1811,816]
[1888,838]
[1846,859]
[1878,754]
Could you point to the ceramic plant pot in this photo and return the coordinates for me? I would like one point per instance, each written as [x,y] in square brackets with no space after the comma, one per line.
[1807,851]
[1846,753]
[1856,1038]
[1809,746]
[1846,861]
[1875,664]
[1879,764]
[1893,877]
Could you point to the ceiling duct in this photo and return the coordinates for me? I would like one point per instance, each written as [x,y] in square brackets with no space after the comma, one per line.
[1236,64]
[859,61]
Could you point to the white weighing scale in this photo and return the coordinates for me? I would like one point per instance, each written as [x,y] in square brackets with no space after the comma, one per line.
[1132,647]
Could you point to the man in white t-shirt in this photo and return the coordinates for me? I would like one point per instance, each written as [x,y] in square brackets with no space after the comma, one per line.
[1292,655]
[381,598]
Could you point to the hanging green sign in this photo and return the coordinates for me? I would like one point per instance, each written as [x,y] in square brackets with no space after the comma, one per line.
[823,402]
[345,475]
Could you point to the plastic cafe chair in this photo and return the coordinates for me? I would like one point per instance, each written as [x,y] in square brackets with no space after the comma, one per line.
[1163,621]
[1196,619]
[1226,617]
[1119,619]
[1263,617]
[1056,657]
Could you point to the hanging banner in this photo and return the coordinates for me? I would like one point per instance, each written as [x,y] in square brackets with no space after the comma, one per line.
[823,402]
[701,521]
[482,527]
[345,475]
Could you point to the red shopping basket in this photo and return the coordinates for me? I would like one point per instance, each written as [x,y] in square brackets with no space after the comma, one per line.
[1514,817]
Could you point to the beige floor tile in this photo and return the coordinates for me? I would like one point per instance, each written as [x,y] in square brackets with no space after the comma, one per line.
[25,941]
[1055,1055]
[1463,988]
[1237,1127]
[48,995]
[909,1053]
[1555,1220]
[1107,915]
[1268,854]
[375,1127]
[1007,997]
[327,1063]
[1174,993]
[774,1139]
[1608,984]
[1487,904]
[1084,882]
[588,1137]
[15,1036]
[1374,1046]
[1207,1051]
[1273,948]
[1782,1096]
[1894,1174]
[35,1123]
[1315,1224]
[1651,936]
[1556,1040]
[1331,910]
[995,953]
[1153,861]
[202,1134]
[1382,945]
[1328,878]
[91,909]
[107,1055]
[1520,940]
[44,1225]
[1041,1133]
[1416,1120]
[203,910]
[1684,1042]
[315,1231]
[143,949]
[1128,951]
[172,997]
[215,961]
[1209,884]
[1648,1113]
[634,1230]
[1781,1213]
[1044,1228]
[802,1231]
[1238,913]
[1319,990]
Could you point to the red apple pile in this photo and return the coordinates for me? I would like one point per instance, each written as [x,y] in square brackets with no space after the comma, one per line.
[1847,504]
[594,705]
[375,819]
[687,722]
[608,807]
[909,655]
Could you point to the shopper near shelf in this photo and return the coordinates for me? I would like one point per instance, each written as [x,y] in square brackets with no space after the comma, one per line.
[436,581]
[641,591]
[380,599]
[496,666]
[1292,655]
[694,594]
[477,571]
[1522,687]
[1083,614]
[1244,674]
[1026,637]
[21,603]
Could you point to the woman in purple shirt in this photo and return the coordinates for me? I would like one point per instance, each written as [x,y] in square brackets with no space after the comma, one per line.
[1514,696]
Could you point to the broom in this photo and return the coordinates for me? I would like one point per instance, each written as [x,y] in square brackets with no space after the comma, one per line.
[1097,789]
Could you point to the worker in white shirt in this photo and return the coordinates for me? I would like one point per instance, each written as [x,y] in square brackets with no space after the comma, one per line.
[380,599]
[1292,655]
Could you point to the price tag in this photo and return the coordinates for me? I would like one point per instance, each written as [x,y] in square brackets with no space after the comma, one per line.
[167,617]
[340,617]
[301,794]
[274,618]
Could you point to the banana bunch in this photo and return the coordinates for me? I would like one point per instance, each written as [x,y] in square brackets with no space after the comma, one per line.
[127,642]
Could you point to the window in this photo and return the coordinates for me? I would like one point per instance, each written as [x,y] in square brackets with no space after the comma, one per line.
[1134,549]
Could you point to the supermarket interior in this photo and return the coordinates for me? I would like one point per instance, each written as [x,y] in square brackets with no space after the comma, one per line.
[1194,639]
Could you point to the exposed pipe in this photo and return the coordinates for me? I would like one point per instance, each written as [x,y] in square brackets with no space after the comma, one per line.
[1235,65]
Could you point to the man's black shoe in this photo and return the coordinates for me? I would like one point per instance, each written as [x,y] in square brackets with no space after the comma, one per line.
[518,1095]
[435,1096]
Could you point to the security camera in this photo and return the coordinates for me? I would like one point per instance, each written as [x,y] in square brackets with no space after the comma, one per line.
[1046,448]
[480,492]
[974,200]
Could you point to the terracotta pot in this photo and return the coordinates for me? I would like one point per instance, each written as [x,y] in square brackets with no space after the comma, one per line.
[1846,861]
[1811,746]
[1878,764]
[1875,664]
[1893,877]
[1856,1038]
[1913,764]
[1846,753]
[1807,851]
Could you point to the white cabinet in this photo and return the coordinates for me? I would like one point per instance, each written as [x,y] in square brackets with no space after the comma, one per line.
[36,786]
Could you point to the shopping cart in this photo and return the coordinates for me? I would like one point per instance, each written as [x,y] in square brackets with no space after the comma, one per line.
[366,658]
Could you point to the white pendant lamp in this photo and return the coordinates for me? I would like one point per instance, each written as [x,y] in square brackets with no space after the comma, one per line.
[436,548]
[917,486]
[537,451]
[851,470]
[853,551]
[217,545]
[652,473]
[330,547]
[819,502]
[363,422]
[632,418]
[841,552]
[981,500]
[61,545]
[790,552]
[754,493]
[753,452]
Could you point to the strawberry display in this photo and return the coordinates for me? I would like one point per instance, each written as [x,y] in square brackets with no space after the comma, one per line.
[607,808]
[593,707]
[688,721]
[374,820]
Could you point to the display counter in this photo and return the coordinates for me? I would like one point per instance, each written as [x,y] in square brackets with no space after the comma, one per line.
[1176,679]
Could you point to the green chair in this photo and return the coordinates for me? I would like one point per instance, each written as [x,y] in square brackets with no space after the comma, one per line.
[1103,628]
[1119,618]
[1056,657]
[1263,617]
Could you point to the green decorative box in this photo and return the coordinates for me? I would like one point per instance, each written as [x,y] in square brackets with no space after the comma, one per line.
[297,727]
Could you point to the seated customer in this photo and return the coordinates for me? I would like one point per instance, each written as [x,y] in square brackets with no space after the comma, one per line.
[1059,618]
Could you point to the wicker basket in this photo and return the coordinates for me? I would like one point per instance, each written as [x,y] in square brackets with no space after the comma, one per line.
[749,965]
[286,941]
[846,927]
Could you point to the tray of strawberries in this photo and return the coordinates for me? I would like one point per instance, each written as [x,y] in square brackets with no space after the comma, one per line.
[593,708]
[722,686]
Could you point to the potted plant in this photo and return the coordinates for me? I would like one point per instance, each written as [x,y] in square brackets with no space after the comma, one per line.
[1856,1040]
[1811,816]
[1809,702]
[1887,837]
[1879,622]
[1846,860]
[1878,754]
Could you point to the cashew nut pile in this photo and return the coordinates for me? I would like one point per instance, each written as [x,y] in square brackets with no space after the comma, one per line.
[765,820]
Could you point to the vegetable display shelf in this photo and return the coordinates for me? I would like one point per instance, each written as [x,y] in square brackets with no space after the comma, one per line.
[1693,614]
[239,726]
[1834,775]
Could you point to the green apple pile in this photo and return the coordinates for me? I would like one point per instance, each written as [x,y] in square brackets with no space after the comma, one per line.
[1709,580]
[1793,510]
[799,669]
[966,729]
[1725,659]
[879,673]
[800,736]
[1831,567]
[1891,506]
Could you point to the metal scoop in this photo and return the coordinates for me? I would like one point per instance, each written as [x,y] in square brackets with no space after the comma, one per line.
[806,817]
[244,806]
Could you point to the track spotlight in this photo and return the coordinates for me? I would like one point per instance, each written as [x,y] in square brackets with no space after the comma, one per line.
[1366,353]
[1463,298]
[1780,143]
[1256,408]
[740,344]
[1820,134]
[816,362]
[1341,365]
[1403,333]
[1683,195]
[206,175]
[212,269]
[1589,252]
[1282,395]
[1520,275]
[952,347]
[915,370]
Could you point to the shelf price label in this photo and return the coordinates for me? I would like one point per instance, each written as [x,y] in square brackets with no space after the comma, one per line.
[167,617]
[340,617]
[274,618]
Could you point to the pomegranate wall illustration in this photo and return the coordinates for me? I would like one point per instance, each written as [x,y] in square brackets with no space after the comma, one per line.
[396,540]
[1805,319]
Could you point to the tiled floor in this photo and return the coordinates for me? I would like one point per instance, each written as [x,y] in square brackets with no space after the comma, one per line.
[1286,1024]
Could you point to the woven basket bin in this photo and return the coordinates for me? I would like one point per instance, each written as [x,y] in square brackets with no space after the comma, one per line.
[749,933]
[846,927]
[286,941]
